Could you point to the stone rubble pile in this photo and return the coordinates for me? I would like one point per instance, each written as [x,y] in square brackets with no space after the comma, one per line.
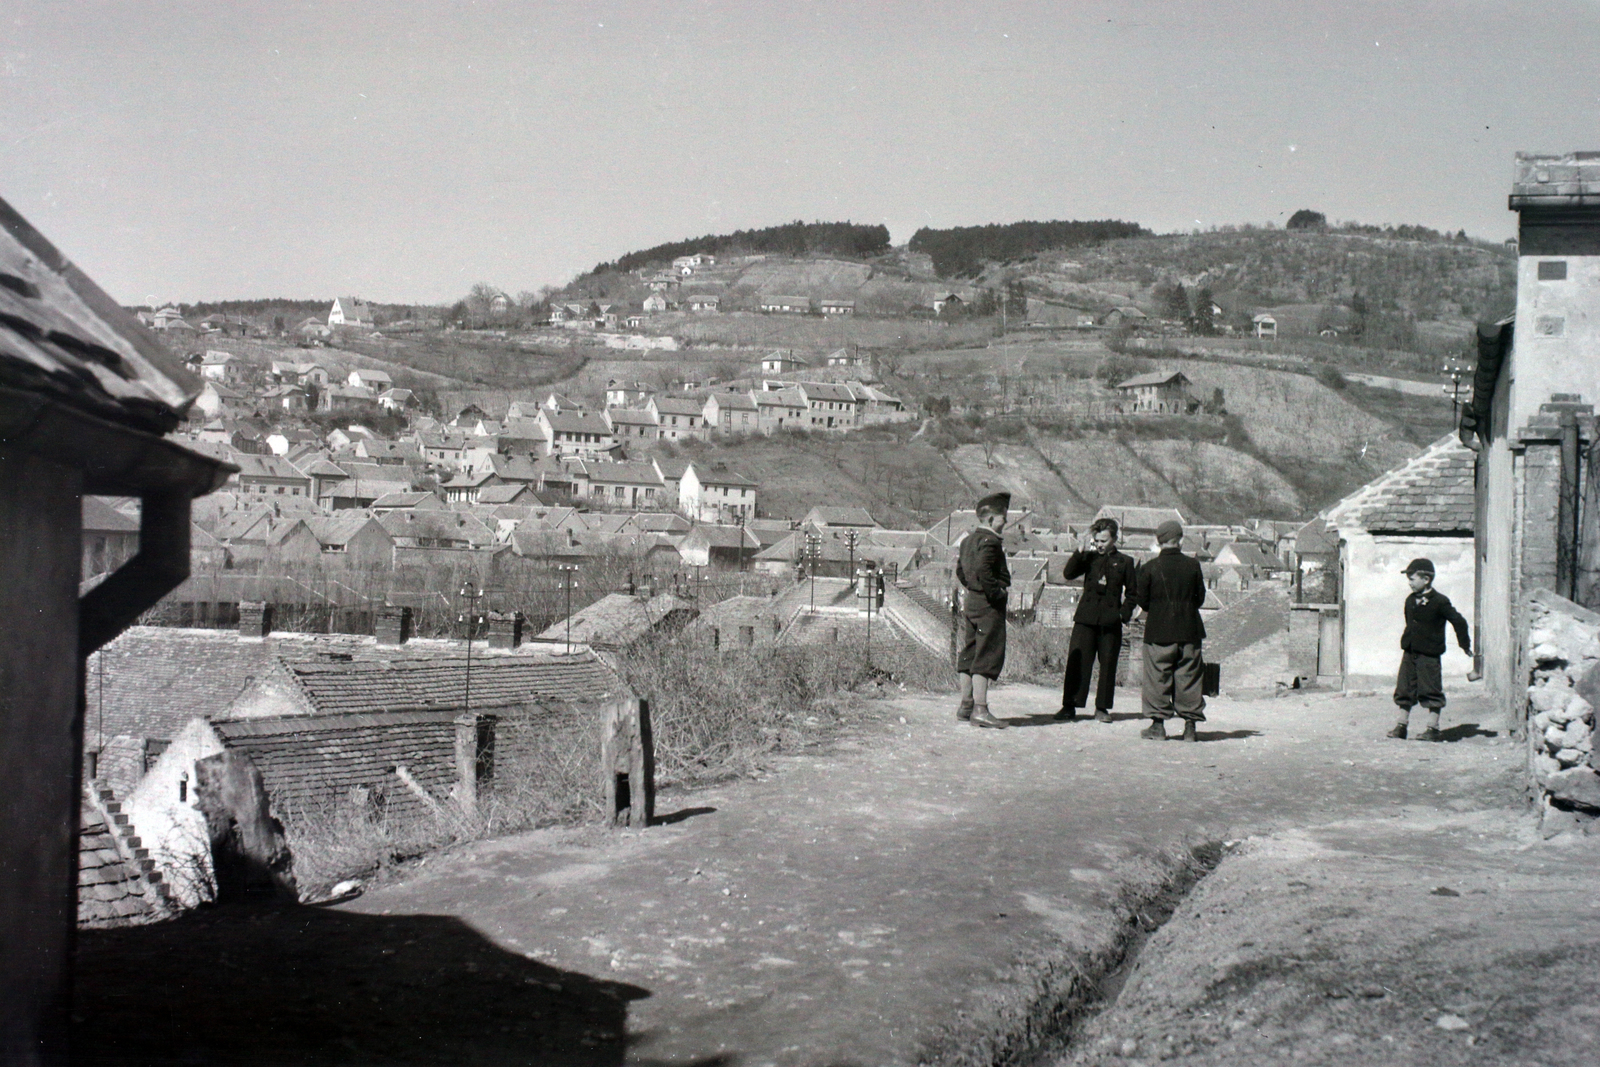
[1564,650]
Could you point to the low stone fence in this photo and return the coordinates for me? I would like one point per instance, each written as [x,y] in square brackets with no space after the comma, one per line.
[1561,656]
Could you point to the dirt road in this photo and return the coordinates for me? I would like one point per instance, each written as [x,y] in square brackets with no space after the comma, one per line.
[930,891]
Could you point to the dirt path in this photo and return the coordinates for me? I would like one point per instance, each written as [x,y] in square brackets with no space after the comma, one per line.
[931,891]
[1427,939]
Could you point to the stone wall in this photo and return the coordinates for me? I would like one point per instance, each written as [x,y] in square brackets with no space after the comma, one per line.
[1562,657]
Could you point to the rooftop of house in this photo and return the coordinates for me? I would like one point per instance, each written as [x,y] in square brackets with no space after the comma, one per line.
[626,473]
[708,475]
[840,516]
[576,422]
[101,517]
[618,619]
[1139,519]
[678,405]
[1155,377]
[423,675]
[62,336]
[1431,494]
[827,392]
[252,466]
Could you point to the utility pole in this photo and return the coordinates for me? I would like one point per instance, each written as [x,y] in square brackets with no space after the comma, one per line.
[850,537]
[814,551]
[471,594]
[569,573]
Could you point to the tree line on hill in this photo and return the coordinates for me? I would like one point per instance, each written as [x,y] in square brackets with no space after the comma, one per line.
[962,250]
[791,239]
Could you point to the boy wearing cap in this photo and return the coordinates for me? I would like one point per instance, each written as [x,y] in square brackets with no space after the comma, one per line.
[1171,589]
[1105,606]
[985,584]
[1421,681]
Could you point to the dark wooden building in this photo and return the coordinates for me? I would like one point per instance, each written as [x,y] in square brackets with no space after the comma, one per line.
[86,396]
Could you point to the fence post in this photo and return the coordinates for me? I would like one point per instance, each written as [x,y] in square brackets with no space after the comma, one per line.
[628,763]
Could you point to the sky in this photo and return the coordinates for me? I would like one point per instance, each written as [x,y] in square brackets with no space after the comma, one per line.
[403,151]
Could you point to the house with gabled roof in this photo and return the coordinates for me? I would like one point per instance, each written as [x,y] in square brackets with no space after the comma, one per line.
[709,494]
[1158,392]
[785,305]
[350,311]
[630,485]
[780,409]
[575,432]
[831,406]
[782,362]
[840,516]
[730,413]
[618,620]
[1424,508]
[376,380]
[221,366]
[678,417]
[632,424]
[263,476]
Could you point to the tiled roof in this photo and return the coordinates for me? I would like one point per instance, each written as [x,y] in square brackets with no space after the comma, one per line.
[111,891]
[632,473]
[100,517]
[1433,493]
[618,619]
[707,476]
[410,684]
[505,494]
[251,466]
[840,516]
[678,405]
[576,422]
[1155,377]
[827,391]
[1138,518]
[64,337]
[630,417]
[1239,625]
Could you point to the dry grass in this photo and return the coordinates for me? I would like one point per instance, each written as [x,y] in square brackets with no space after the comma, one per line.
[717,714]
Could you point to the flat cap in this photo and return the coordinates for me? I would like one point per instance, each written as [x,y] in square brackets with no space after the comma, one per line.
[1171,530]
[995,502]
[1420,566]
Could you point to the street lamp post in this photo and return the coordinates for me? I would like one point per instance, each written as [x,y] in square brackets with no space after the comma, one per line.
[1453,389]
[471,594]
[569,572]
[814,551]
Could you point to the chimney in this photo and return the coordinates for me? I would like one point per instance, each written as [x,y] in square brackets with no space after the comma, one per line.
[255,619]
[393,625]
[505,629]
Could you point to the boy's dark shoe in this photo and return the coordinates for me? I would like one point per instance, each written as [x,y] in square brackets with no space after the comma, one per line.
[1399,731]
[1102,715]
[1156,731]
[1066,714]
[1189,732]
[1430,734]
[963,712]
[981,717]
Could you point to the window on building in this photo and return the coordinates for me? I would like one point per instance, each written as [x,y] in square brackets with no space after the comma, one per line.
[1552,270]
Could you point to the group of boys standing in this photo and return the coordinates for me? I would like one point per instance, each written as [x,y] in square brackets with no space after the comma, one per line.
[1169,588]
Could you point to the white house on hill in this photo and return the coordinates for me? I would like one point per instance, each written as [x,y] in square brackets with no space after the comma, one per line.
[349,311]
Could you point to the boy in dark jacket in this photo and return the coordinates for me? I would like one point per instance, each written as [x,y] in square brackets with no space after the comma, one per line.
[1171,589]
[1106,604]
[1421,681]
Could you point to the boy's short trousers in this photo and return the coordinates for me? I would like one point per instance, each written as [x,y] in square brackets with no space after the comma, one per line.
[983,638]
[1421,681]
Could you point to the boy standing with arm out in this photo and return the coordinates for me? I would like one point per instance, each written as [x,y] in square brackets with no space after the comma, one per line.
[1421,680]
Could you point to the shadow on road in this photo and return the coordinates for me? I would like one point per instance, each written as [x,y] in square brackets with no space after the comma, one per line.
[247,984]
[680,815]
[1465,730]
[1225,735]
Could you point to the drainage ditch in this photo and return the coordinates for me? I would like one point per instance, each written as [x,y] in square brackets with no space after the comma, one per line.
[1057,996]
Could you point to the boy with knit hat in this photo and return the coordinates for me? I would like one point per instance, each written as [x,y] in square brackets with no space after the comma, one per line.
[1421,680]
[983,587]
